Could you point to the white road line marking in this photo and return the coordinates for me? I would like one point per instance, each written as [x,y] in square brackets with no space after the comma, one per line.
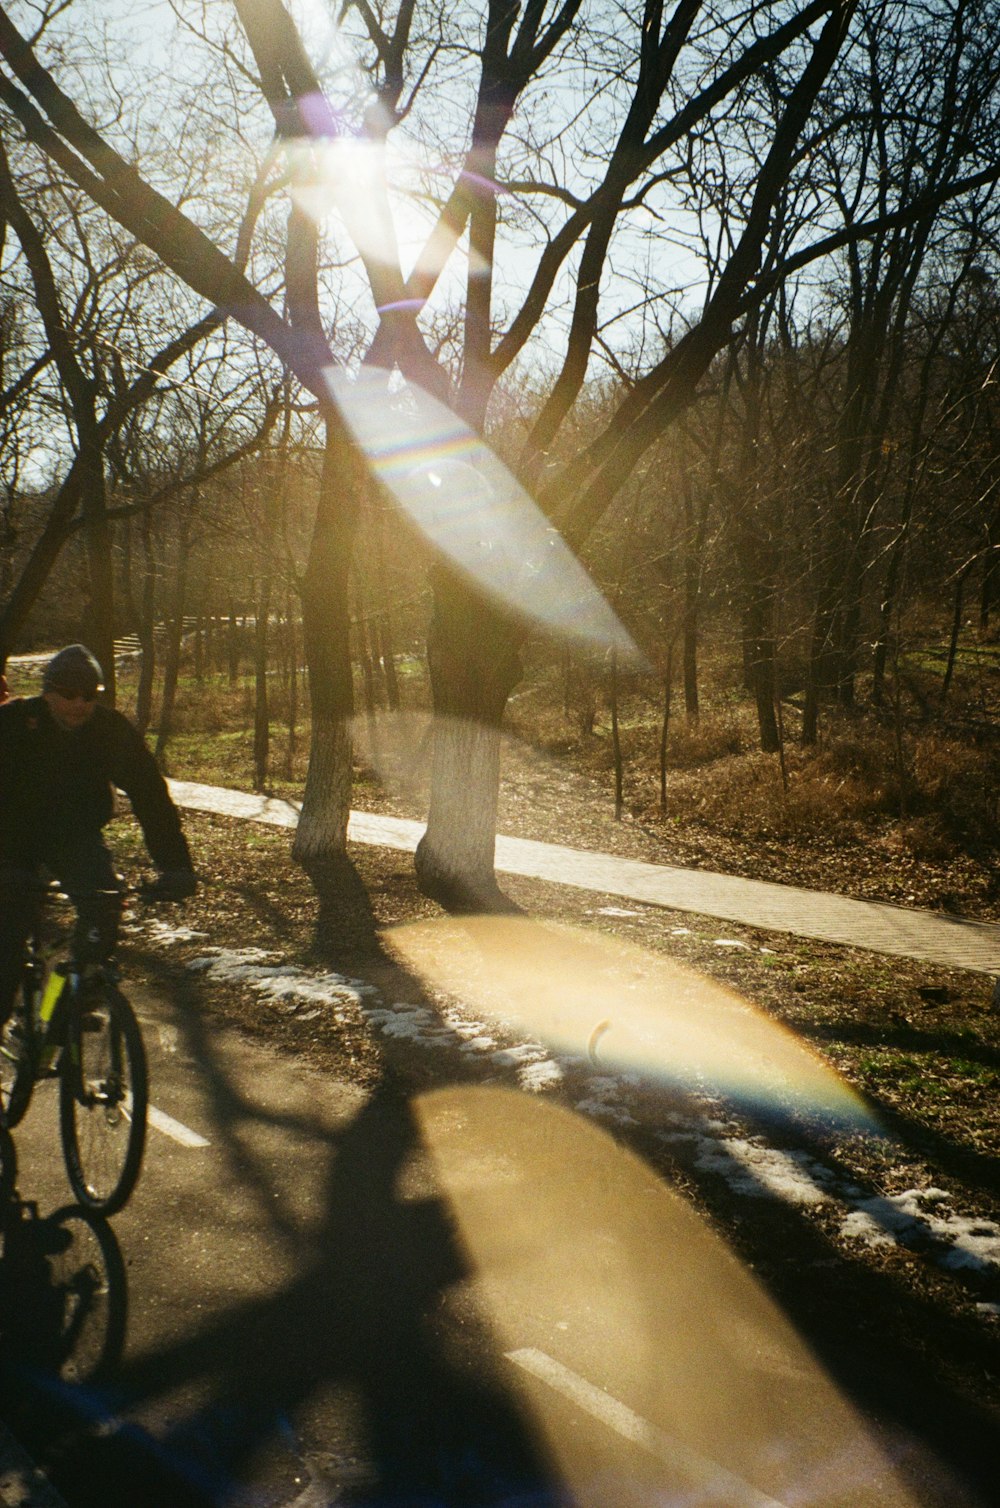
[632,1427]
[176,1130]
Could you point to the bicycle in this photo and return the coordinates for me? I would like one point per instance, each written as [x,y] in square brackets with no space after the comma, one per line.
[76,1025]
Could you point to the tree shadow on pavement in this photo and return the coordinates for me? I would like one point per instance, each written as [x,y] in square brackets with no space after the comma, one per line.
[354,1323]
[348,1324]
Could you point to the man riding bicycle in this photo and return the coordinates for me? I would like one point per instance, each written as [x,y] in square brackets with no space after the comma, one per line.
[61,755]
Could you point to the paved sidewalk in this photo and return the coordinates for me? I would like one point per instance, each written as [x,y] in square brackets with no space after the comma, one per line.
[929,936]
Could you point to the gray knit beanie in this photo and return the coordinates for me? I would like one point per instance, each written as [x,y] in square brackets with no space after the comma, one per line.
[73,669]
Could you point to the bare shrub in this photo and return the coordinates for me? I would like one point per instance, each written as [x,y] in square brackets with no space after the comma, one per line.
[958,783]
[716,735]
[928,839]
[209,707]
[857,764]
[743,794]
[847,790]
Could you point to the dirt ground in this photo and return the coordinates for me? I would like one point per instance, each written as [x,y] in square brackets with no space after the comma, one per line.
[915,1342]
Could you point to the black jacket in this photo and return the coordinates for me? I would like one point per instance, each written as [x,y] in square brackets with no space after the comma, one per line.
[57,784]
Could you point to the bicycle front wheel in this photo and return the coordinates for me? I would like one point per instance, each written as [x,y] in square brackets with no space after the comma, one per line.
[103,1099]
[17,1060]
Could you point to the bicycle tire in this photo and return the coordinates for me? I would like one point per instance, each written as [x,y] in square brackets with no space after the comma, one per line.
[103,1100]
[17,1058]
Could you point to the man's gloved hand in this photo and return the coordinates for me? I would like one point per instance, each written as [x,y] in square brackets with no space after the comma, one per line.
[171,885]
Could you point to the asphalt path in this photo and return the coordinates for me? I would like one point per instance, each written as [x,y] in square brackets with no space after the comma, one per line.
[324,1296]
[319,1296]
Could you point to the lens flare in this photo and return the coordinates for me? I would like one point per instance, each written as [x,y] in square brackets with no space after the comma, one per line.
[464,500]
[377,192]
[627,1010]
[654,1366]
[398,746]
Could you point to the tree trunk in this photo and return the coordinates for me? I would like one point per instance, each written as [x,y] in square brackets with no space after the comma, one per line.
[616,740]
[668,687]
[175,633]
[694,536]
[388,662]
[474,666]
[146,629]
[233,644]
[100,629]
[989,590]
[956,629]
[887,608]
[261,708]
[321,834]
[293,688]
[818,672]
[365,641]
[759,648]
[200,636]
[382,637]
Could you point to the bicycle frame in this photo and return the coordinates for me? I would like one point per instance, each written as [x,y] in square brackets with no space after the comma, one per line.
[74,1024]
[53,995]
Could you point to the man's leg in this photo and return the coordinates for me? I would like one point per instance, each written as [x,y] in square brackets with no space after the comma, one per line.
[86,872]
[18,903]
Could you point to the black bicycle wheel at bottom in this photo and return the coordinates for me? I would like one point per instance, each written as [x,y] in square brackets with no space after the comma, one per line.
[103,1100]
[17,1061]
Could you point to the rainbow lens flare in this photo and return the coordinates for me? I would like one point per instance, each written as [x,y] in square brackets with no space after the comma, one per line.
[627,1010]
[471,509]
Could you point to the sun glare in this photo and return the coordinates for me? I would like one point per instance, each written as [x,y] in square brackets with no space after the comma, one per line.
[652,1364]
[469,507]
[628,1010]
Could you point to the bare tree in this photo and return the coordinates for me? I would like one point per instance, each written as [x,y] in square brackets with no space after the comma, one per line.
[667,83]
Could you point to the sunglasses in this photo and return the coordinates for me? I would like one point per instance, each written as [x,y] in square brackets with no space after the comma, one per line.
[76,696]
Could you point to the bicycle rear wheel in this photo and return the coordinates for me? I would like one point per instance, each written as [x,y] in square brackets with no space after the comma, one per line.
[17,1059]
[103,1100]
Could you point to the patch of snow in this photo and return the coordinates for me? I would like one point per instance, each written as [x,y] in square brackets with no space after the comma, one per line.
[478,1044]
[922,1217]
[163,932]
[402,1021]
[280,982]
[463,1026]
[613,911]
[527,1052]
[602,1110]
[294,987]
[730,942]
[756,1170]
[541,1075]
[974,1243]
